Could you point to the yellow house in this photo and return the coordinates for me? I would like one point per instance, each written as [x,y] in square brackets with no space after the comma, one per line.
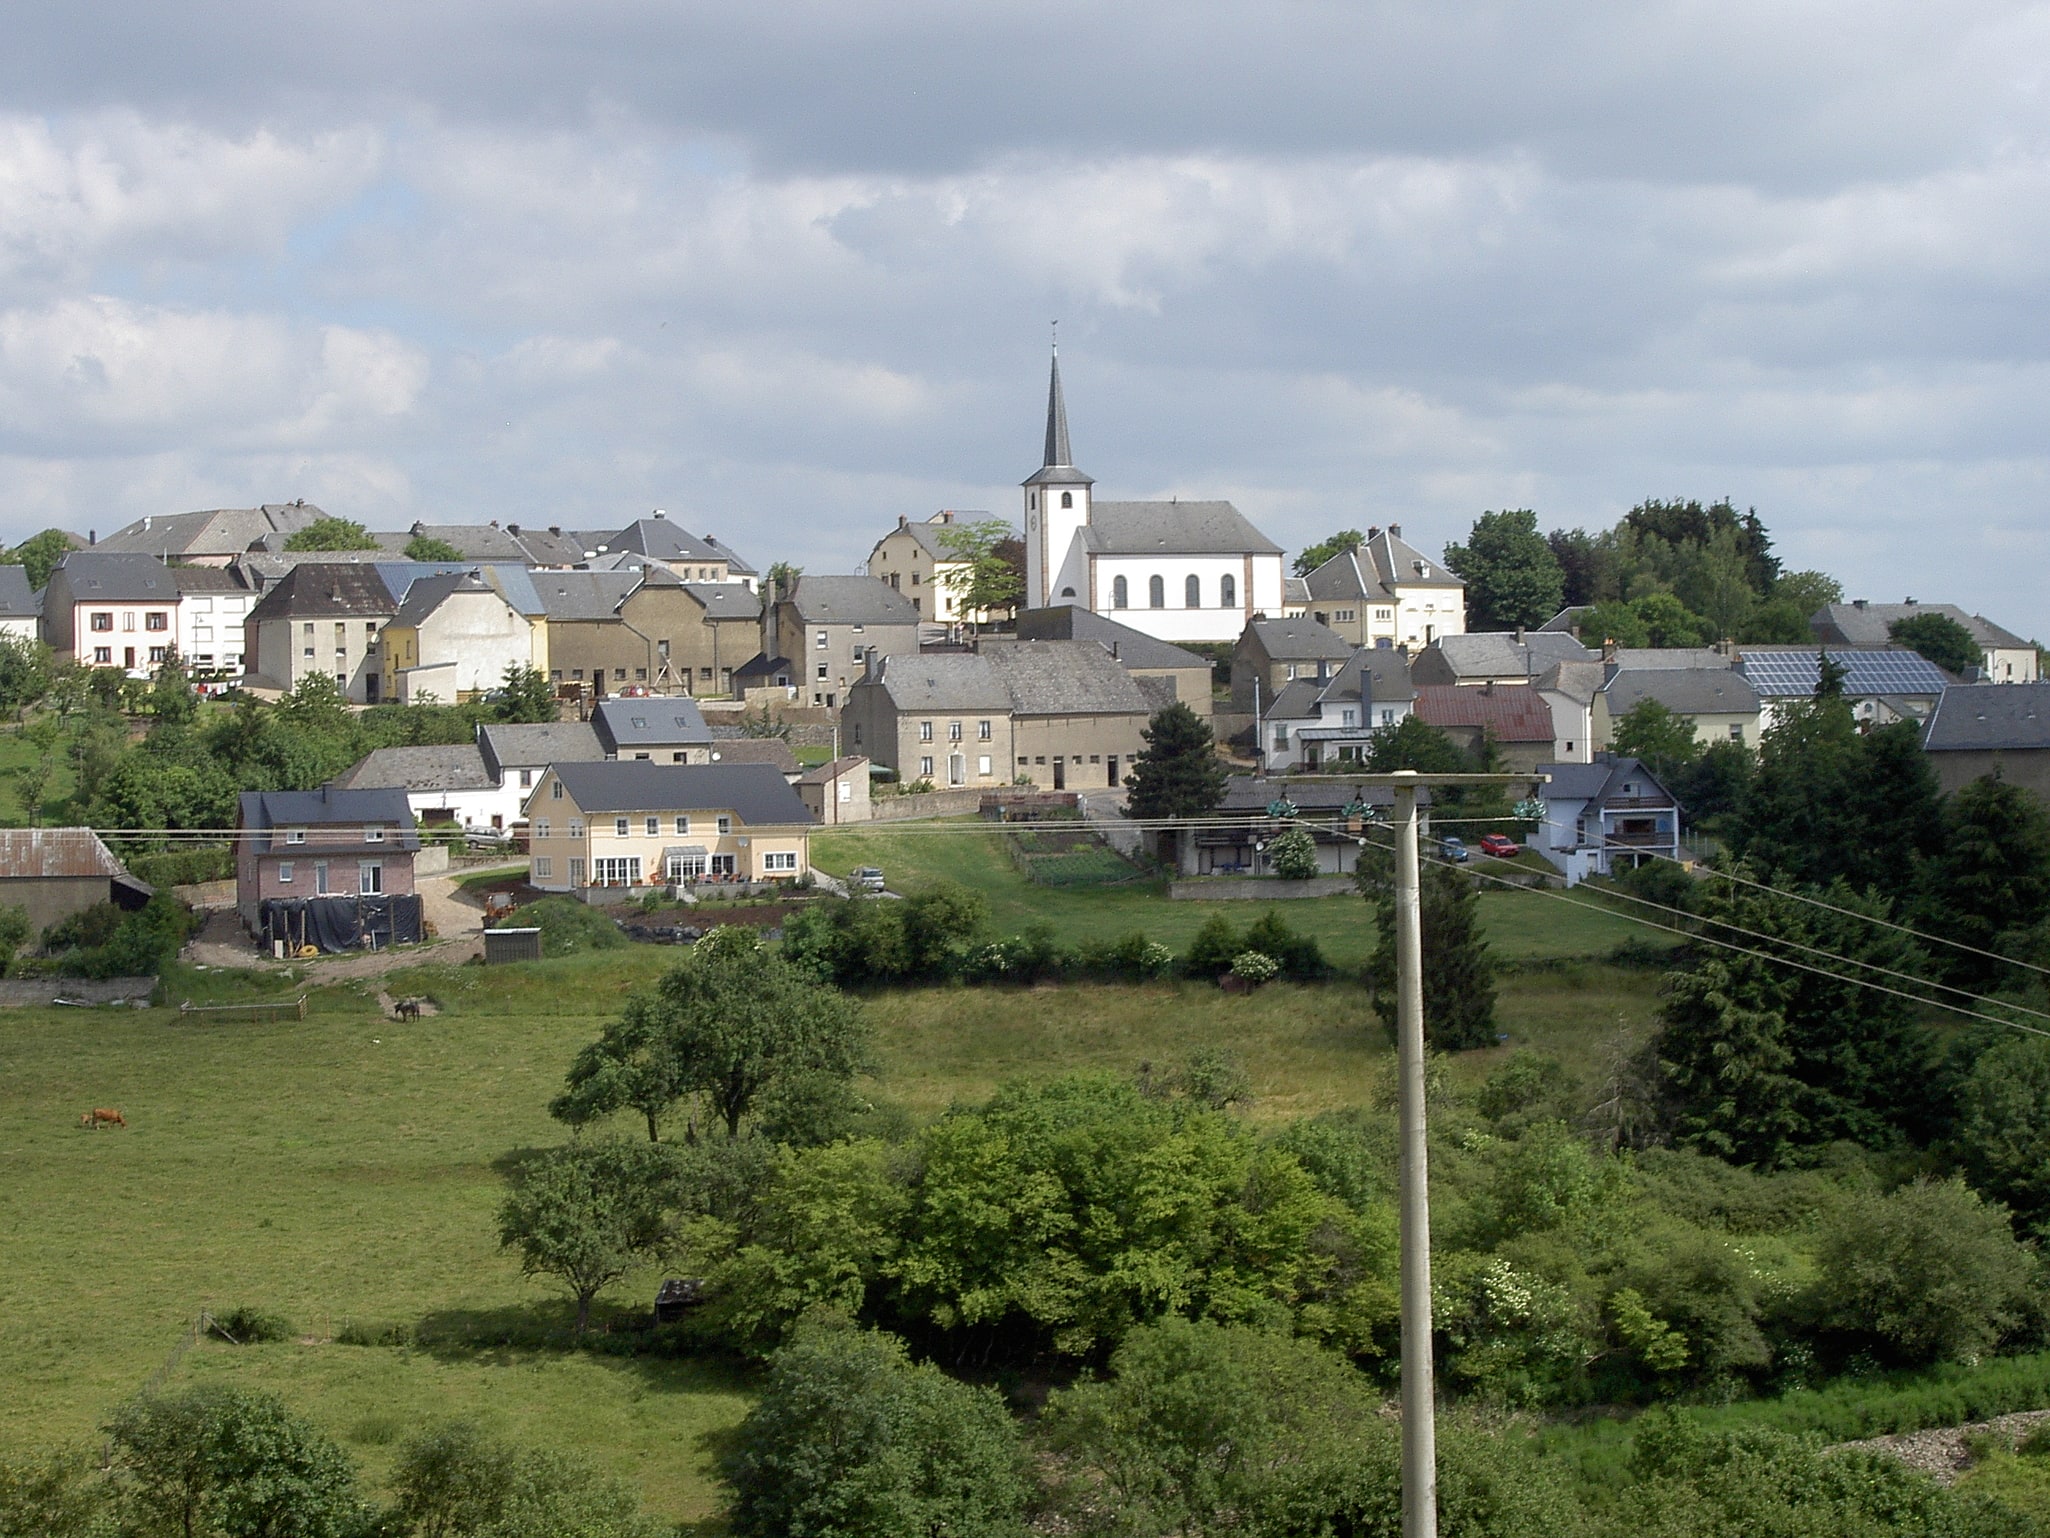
[635,823]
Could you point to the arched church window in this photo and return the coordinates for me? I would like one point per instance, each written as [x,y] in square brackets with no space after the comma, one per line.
[1192,593]
[1067,592]
[1156,592]
[1067,499]
[1228,592]
[1120,594]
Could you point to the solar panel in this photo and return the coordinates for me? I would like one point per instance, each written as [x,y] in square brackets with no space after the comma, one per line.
[1780,674]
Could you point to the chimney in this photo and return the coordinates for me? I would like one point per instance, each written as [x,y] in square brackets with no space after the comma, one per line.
[512,528]
[1373,533]
[494,523]
[947,516]
[555,528]
[1488,688]
[92,536]
[1857,603]
[1395,531]
[1609,650]
[1519,636]
[660,514]
[146,524]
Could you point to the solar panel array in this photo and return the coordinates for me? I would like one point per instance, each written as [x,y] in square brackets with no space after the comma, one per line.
[1865,672]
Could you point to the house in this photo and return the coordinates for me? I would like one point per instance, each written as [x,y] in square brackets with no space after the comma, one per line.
[1182,571]
[773,751]
[1515,719]
[629,824]
[1063,715]
[1569,690]
[660,729]
[829,626]
[107,610]
[1387,592]
[324,846]
[21,613]
[1882,686]
[213,611]
[836,791]
[552,548]
[1605,816]
[1271,654]
[56,872]
[1495,657]
[1295,597]
[1337,814]
[473,541]
[1142,655]
[645,626]
[456,635]
[443,783]
[1720,702]
[516,754]
[692,557]
[1312,723]
[320,618]
[914,560]
[777,675]
[1977,730]
[210,538]
[1869,626]
[727,632]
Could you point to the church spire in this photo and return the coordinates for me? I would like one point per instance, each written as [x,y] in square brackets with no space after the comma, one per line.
[1058,455]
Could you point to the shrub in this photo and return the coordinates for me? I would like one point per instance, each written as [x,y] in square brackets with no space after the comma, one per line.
[1294,855]
[139,946]
[183,867]
[1031,957]
[246,1326]
[567,926]
[1212,948]
[1255,967]
[1134,957]
[1299,956]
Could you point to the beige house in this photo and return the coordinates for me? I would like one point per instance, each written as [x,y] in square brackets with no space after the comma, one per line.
[455,636]
[1141,655]
[1720,702]
[326,617]
[636,824]
[1387,593]
[915,563]
[826,627]
[836,791]
[1271,654]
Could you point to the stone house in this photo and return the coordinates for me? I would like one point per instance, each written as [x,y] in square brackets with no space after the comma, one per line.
[1271,654]
[321,618]
[828,627]
[1980,729]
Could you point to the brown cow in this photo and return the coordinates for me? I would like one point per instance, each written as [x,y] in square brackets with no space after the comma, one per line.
[102,1116]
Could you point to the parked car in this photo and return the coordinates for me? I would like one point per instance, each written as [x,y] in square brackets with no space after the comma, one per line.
[1453,849]
[866,878]
[1500,845]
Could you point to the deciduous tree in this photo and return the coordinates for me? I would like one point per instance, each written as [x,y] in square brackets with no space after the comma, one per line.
[331,534]
[1512,577]
[586,1213]
[1939,638]
[424,547]
[1316,555]
[985,579]
[39,554]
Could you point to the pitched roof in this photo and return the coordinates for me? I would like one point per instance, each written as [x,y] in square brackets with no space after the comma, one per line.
[452,766]
[32,853]
[656,719]
[1990,717]
[1869,624]
[773,751]
[1055,678]
[330,806]
[511,581]
[320,591]
[726,600]
[1325,793]
[1608,776]
[113,577]
[571,596]
[1173,528]
[1706,657]
[388,544]
[927,531]
[1300,639]
[429,593]
[755,793]
[1684,691]
[1376,673]
[941,681]
[1785,672]
[1342,576]
[1057,466]
[210,532]
[1578,681]
[531,745]
[850,601]
[208,579]
[1508,712]
[832,769]
[661,540]
[552,546]
[473,541]
[1393,560]
[17,599]
[1500,654]
[1134,648]
[763,667]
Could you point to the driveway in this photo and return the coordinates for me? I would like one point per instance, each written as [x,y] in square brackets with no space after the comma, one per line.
[458,921]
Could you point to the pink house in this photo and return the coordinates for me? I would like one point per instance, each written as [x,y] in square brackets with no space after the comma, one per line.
[299,845]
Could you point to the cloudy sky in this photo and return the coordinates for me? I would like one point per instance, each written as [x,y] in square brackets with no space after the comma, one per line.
[787,270]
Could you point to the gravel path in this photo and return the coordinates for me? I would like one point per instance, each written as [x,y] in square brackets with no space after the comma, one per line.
[1940,1452]
[458,920]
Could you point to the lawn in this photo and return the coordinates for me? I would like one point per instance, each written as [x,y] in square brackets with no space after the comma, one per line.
[17,753]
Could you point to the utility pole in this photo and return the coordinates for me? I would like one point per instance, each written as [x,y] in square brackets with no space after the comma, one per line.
[1419,1393]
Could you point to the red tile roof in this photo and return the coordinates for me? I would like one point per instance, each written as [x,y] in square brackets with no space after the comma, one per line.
[1510,712]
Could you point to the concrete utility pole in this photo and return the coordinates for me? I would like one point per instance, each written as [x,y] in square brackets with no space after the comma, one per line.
[1419,1395]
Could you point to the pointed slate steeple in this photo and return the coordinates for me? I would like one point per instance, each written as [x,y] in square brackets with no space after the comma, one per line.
[1058,467]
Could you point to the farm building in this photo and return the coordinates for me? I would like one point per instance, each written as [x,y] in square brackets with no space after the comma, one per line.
[56,872]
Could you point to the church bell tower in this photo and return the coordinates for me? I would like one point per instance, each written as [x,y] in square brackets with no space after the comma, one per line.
[1056,504]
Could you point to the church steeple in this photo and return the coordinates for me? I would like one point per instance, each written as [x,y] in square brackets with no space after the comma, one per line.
[1056,508]
[1058,455]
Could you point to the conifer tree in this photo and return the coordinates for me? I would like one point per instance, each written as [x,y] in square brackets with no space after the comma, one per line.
[1178,775]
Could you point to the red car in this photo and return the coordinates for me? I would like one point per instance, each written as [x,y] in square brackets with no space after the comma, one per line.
[1500,845]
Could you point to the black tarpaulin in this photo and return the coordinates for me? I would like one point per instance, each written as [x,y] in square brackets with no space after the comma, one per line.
[342,923]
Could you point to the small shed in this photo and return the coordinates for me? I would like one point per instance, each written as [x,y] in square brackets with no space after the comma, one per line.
[676,1297]
[56,872]
[512,945]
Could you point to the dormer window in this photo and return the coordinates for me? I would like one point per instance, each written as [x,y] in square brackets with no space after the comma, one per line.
[373,835]
[295,835]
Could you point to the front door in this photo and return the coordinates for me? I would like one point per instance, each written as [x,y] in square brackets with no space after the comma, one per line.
[1060,773]
[957,769]
[1113,771]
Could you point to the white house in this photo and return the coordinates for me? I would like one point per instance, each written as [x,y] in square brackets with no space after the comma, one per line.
[1178,571]
[1606,816]
[1314,723]
[20,614]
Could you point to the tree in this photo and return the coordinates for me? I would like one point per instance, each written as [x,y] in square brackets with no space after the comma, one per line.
[453,1481]
[1459,973]
[1939,638]
[39,554]
[58,1496]
[1613,620]
[585,1214]
[1991,876]
[1413,743]
[331,534]
[1669,622]
[984,580]
[629,1067]
[2003,1126]
[782,579]
[425,547]
[528,695]
[1316,555]
[1512,577]
[1588,565]
[1178,774]
[1663,741]
[1294,856]
[25,665]
[221,1462]
[851,1439]
[170,698]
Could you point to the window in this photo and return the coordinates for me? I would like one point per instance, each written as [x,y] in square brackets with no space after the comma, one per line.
[725,825]
[307,628]
[1228,591]
[103,620]
[641,673]
[1280,738]
[925,768]
[1067,499]
[320,878]
[527,781]
[576,827]
[544,867]
[953,731]
[373,835]
[619,826]
[295,835]
[982,766]
[785,861]
[307,653]
[925,731]
[102,655]
[1347,717]
[1384,615]
[1343,616]
[1120,594]
[820,643]
[654,827]
[822,672]
[1192,592]
[639,723]
[1736,733]
[370,877]
[914,579]
[540,827]
[683,825]
[285,872]
[857,734]
[619,674]
[159,653]
[127,619]
[616,872]
[1156,592]
[156,622]
[686,867]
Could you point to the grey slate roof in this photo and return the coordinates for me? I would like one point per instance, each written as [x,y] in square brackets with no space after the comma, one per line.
[1322,793]
[208,579]
[473,541]
[552,546]
[453,766]
[1866,625]
[1988,718]
[1567,620]
[939,681]
[584,595]
[850,601]
[315,591]
[98,576]
[1578,681]
[657,720]
[1674,657]
[1392,560]
[755,793]
[726,600]
[429,593]
[1173,528]
[927,531]
[1134,648]
[534,745]
[1300,639]
[1054,678]
[1499,654]
[1595,783]
[390,544]
[773,751]
[512,581]
[212,532]
[1344,576]
[1294,590]
[328,807]
[17,601]
[661,540]
[1684,691]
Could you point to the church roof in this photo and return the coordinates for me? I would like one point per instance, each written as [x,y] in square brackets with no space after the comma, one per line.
[1173,528]
[1058,468]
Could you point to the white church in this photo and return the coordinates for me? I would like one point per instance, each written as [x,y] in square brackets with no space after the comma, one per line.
[1180,571]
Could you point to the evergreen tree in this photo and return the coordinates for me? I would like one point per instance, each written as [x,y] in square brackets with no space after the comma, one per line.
[1512,576]
[1798,820]
[1459,973]
[1178,775]
[528,696]
[1895,806]
[1991,877]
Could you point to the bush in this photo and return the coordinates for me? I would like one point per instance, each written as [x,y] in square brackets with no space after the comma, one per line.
[1133,958]
[1212,948]
[141,943]
[1255,967]
[1299,956]
[567,926]
[1294,855]
[251,1326]
[1032,957]
[183,867]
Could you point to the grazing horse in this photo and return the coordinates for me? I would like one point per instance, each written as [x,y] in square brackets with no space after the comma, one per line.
[406,1009]
[102,1116]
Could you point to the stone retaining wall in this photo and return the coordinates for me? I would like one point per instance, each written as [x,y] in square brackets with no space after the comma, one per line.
[931,803]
